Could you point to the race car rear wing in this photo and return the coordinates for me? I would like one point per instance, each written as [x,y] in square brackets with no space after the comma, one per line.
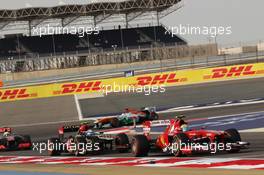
[148,124]
[5,129]
[70,128]
[66,129]
[159,122]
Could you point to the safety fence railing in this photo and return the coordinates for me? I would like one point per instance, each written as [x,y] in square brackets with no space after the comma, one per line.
[34,62]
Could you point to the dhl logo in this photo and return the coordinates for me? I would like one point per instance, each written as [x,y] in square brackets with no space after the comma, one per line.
[79,87]
[234,71]
[159,79]
[14,94]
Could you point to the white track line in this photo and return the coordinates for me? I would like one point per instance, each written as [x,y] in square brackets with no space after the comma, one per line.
[38,124]
[253,130]
[189,108]
[230,115]
[79,111]
[48,123]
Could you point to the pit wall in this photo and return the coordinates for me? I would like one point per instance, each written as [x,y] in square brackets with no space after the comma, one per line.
[172,78]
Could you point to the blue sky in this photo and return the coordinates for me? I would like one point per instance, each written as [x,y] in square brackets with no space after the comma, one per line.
[245,17]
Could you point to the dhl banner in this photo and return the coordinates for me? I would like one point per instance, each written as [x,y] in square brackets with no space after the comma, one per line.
[175,78]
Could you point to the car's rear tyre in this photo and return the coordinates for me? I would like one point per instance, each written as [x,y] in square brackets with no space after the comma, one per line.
[233,137]
[122,141]
[115,122]
[96,145]
[140,146]
[154,116]
[53,147]
[3,141]
[27,138]
[178,141]
[99,125]
[80,143]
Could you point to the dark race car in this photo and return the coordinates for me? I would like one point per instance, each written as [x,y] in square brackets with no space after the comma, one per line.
[12,142]
[178,140]
[85,141]
[129,117]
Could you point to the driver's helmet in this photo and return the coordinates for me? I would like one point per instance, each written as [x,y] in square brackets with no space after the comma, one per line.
[83,128]
[5,134]
[125,115]
[180,116]
[181,120]
[184,127]
[90,132]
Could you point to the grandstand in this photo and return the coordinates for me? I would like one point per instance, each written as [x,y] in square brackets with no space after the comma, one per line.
[105,39]
[98,14]
[129,31]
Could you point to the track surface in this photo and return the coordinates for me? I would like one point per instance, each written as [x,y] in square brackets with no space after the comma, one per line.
[64,109]
[175,96]
[256,139]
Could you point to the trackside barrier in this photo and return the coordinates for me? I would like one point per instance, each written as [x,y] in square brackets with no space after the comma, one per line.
[173,78]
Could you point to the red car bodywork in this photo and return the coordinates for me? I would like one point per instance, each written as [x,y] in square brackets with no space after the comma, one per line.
[165,140]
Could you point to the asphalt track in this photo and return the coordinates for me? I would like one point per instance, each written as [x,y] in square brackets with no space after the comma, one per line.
[175,96]
[56,109]
[256,139]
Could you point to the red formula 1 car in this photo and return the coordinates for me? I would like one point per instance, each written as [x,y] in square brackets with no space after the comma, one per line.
[177,140]
[12,142]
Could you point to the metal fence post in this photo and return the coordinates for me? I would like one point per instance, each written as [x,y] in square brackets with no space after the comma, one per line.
[160,64]
[257,54]
[151,52]
[192,61]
